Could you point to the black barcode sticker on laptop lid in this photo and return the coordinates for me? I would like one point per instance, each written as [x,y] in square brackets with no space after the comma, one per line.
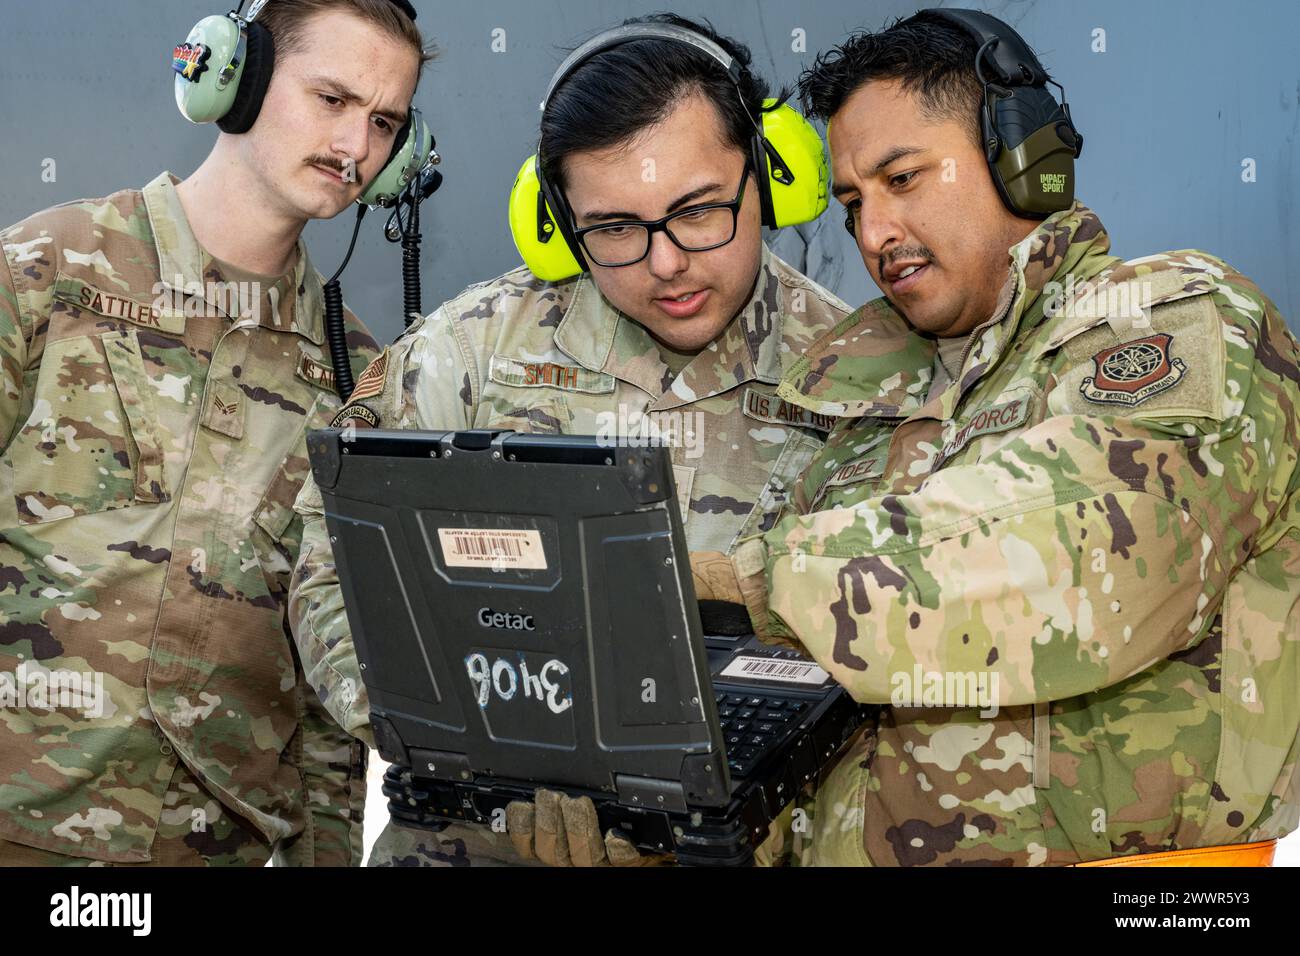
[773,669]
[496,548]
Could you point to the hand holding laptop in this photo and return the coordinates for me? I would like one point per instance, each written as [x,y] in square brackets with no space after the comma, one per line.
[730,603]
[715,578]
[561,830]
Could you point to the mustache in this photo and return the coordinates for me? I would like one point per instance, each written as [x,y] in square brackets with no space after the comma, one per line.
[329,162]
[905,252]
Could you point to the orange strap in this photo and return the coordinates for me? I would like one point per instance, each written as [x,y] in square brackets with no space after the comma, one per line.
[1241,854]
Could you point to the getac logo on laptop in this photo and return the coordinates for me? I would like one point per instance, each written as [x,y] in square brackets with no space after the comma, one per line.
[501,621]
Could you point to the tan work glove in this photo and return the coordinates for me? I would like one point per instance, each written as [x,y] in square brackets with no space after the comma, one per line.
[715,578]
[734,580]
[561,830]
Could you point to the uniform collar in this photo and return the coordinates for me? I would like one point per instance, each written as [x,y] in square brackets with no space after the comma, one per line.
[182,260]
[601,338]
[875,364]
[870,364]
[1071,244]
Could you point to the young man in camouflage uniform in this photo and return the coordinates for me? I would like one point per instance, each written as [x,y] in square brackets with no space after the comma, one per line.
[599,354]
[162,355]
[1059,537]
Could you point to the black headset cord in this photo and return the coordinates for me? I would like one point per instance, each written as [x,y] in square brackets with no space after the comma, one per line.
[406,230]
[336,333]
[411,306]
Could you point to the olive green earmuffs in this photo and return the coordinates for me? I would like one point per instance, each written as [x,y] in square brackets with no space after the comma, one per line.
[1030,141]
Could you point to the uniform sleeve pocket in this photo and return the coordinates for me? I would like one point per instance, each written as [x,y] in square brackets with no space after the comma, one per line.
[1169,365]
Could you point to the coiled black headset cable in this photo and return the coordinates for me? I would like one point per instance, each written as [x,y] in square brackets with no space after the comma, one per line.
[336,333]
[405,230]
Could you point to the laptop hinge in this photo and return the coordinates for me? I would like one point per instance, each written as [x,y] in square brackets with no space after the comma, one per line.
[440,765]
[650,793]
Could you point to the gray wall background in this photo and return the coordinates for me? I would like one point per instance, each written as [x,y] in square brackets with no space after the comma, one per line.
[1184,92]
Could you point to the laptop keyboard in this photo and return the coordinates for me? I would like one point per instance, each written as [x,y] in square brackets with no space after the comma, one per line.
[752,723]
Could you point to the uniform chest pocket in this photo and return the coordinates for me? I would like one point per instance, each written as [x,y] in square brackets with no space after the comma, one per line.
[537,418]
[799,449]
[274,511]
[91,442]
[847,472]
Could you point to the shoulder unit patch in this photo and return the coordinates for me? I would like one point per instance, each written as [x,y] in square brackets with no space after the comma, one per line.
[1131,373]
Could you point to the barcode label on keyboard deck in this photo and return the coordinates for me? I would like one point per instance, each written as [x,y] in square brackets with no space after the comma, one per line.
[784,671]
[496,548]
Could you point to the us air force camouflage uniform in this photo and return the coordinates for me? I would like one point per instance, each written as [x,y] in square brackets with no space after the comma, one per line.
[1095,526]
[153,446]
[527,355]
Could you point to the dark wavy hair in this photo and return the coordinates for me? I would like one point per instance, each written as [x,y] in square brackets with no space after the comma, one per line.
[932,58]
[621,91]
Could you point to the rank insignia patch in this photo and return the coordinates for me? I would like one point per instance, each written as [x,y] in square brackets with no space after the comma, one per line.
[190,60]
[1131,373]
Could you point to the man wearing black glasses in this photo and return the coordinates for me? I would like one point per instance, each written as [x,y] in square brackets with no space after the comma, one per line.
[699,227]
[677,332]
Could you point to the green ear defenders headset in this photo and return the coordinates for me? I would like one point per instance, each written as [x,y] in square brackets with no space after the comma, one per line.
[1030,140]
[786,153]
[223,70]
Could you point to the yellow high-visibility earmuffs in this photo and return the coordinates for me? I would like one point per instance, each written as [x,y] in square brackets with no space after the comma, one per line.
[785,147]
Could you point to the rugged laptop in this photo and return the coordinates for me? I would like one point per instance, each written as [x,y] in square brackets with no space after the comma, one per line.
[523,611]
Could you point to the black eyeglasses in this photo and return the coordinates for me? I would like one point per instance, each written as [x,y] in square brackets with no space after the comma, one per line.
[693,229]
